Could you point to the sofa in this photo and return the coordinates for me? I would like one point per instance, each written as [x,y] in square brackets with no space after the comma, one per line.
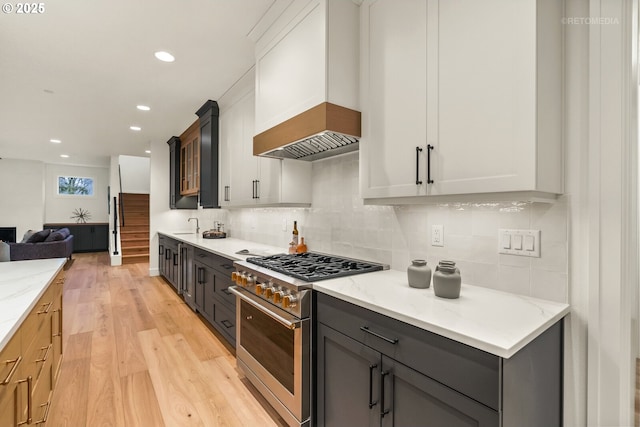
[43,244]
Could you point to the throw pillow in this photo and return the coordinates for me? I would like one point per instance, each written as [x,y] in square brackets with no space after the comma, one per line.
[5,255]
[57,235]
[26,236]
[39,236]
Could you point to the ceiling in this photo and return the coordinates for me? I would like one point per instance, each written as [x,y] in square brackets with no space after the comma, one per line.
[77,72]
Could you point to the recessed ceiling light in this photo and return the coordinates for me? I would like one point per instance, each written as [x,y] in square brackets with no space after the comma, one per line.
[64,156]
[143,107]
[164,56]
[55,141]
[147,151]
[136,128]
[49,91]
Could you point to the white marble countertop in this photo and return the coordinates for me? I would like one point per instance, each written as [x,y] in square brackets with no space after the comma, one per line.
[226,247]
[497,322]
[22,283]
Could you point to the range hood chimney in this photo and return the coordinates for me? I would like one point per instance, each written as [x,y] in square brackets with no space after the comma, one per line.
[322,131]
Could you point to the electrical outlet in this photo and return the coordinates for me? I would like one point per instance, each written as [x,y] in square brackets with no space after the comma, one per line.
[437,235]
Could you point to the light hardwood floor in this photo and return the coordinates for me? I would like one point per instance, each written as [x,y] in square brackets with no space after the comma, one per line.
[136,355]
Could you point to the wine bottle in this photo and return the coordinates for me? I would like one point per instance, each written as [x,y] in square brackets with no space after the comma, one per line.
[294,240]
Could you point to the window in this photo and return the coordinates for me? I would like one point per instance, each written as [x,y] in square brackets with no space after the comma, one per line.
[75,186]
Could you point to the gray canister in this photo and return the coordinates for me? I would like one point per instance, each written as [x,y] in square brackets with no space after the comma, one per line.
[447,280]
[419,274]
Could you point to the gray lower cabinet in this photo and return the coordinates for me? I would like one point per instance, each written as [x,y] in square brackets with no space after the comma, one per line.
[168,260]
[372,370]
[187,272]
[213,299]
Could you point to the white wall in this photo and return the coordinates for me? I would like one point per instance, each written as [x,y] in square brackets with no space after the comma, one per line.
[134,172]
[338,222]
[21,195]
[59,209]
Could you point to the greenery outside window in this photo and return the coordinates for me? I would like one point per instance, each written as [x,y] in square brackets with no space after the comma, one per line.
[75,186]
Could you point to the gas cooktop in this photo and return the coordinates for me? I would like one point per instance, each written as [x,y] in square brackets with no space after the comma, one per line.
[312,266]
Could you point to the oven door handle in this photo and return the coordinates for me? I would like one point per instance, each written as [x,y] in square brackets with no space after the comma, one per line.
[294,323]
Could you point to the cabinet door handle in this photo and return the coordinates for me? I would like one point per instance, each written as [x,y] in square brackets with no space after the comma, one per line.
[418,150]
[383,411]
[226,193]
[161,250]
[226,324]
[175,259]
[429,148]
[167,254]
[29,381]
[226,291]
[59,333]
[200,275]
[371,402]
[377,335]
[13,370]
[257,188]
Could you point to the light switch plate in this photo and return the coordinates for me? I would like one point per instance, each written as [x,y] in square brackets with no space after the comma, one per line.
[437,235]
[522,242]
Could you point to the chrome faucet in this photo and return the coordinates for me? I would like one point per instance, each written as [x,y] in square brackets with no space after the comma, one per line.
[197,224]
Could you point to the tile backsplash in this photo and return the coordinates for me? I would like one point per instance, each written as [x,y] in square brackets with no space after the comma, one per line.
[338,222]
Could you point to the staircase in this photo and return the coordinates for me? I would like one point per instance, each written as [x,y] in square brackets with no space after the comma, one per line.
[134,227]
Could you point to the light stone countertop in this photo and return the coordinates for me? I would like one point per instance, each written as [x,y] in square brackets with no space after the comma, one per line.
[22,283]
[226,247]
[497,322]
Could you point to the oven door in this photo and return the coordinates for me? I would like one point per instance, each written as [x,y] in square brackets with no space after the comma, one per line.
[273,347]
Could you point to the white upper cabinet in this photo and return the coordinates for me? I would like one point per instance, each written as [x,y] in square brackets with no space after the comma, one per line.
[307,56]
[461,97]
[247,180]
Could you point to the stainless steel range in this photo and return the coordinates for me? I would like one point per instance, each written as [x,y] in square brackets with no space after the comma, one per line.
[273,348]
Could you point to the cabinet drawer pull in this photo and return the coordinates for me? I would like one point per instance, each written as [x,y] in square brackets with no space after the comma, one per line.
[375,334]
[29,381]
[227,324]
[13,370]
[371,402]
[383,411]
[429,148]
[46,353]
[418,150]
[46,310]
[46,413]
[226,291]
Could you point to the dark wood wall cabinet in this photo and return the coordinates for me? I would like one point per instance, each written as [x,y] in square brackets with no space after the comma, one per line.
[93,237]
[376,371]
[193,162]
[177,200]
[202,279]
[209,114]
